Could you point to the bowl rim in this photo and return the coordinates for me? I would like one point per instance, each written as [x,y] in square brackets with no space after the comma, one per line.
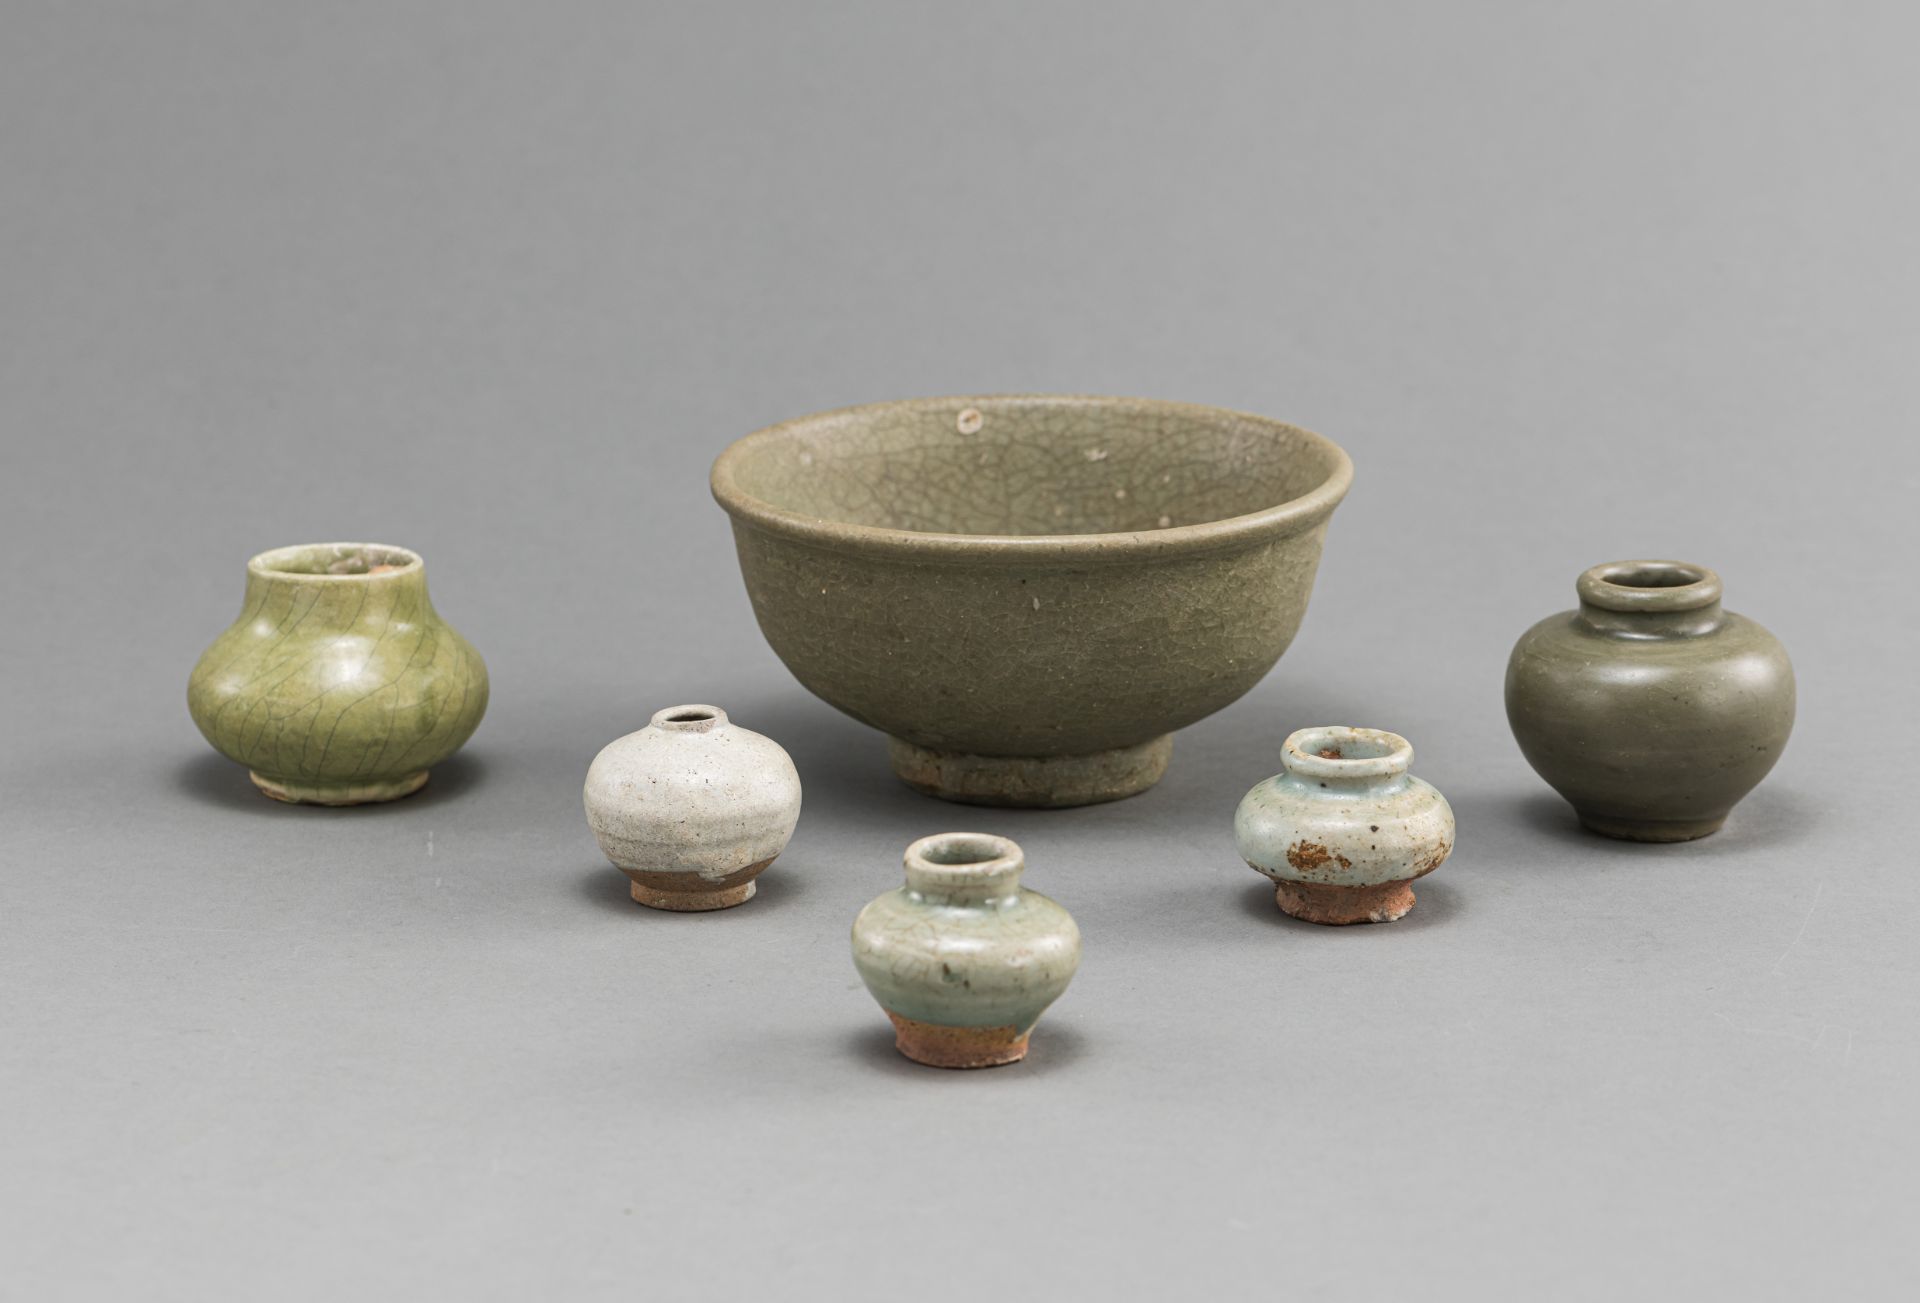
[1277,521]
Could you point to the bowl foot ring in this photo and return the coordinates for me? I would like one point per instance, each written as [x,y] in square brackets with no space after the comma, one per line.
[1651,830]
[1032,781]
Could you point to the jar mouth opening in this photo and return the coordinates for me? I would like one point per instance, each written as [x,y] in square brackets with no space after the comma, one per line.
[694,718]
[336,561]
[1652,586]
[1332,751]
[953,861]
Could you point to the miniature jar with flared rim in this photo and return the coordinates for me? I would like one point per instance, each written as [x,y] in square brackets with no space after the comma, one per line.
[1651,708]
[339,684]
[1344,829]
[962,958]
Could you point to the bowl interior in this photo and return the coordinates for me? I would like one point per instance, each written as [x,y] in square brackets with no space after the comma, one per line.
[1027,466]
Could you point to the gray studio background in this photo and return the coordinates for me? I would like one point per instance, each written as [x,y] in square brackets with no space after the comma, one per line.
[1571,283]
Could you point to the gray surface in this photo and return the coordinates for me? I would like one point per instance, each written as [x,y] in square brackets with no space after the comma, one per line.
[1568,286]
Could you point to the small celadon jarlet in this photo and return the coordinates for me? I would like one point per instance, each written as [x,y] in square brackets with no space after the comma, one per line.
[1344,830]
[339,684]
[963,958]
[1029,594]
[1651,709]
[692,808]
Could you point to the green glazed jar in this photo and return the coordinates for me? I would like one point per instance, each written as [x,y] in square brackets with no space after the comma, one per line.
[339,684]
[1651,709]
[963,958]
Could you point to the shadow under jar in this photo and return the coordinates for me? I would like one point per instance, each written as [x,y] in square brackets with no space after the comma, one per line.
[1030,594]
[1651,709]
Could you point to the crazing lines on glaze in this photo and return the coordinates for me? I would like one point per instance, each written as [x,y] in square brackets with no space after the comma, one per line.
[339,683]
[1032,604]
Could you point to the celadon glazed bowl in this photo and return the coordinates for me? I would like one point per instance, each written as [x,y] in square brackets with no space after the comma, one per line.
[339,684]
[1027,593]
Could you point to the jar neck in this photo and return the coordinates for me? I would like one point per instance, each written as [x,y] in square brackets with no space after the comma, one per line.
[984,895]
[1649,599]
[1371,785]
[1344,759]
[1692,623]
[964,869]
[338,601]
[690,719]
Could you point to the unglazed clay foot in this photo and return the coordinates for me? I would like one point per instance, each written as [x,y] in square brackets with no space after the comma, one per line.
[674,891]
[958,1047]
[1343,830]
[692,808]
[1319,902]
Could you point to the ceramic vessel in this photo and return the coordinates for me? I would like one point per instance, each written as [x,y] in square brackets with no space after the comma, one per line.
[1343,830]
[963,958]
[1649,707]
[1030,594]
[692,808]
[339,684]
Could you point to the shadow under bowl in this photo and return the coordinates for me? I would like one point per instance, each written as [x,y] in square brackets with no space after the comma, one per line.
[1030,594]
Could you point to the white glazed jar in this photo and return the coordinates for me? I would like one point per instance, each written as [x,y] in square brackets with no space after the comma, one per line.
[1343,830]
[692,808]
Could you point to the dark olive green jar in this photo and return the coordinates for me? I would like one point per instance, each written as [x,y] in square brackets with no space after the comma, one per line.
[1651,709]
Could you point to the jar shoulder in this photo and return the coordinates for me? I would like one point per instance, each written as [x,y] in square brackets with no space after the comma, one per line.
[318,701]
[1288,827]
[1285,800]
[1564,646]
[898,924]
[425,661]
[728,766]
[965,966]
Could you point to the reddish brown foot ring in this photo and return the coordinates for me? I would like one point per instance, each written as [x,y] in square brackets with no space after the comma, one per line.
[939,1046]
[689,893]
[1320,902]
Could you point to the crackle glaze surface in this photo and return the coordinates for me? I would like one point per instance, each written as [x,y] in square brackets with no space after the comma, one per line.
[1030,577]
[692,807]
[1651,709]
[962,943]
[339,683]
[1344,813]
